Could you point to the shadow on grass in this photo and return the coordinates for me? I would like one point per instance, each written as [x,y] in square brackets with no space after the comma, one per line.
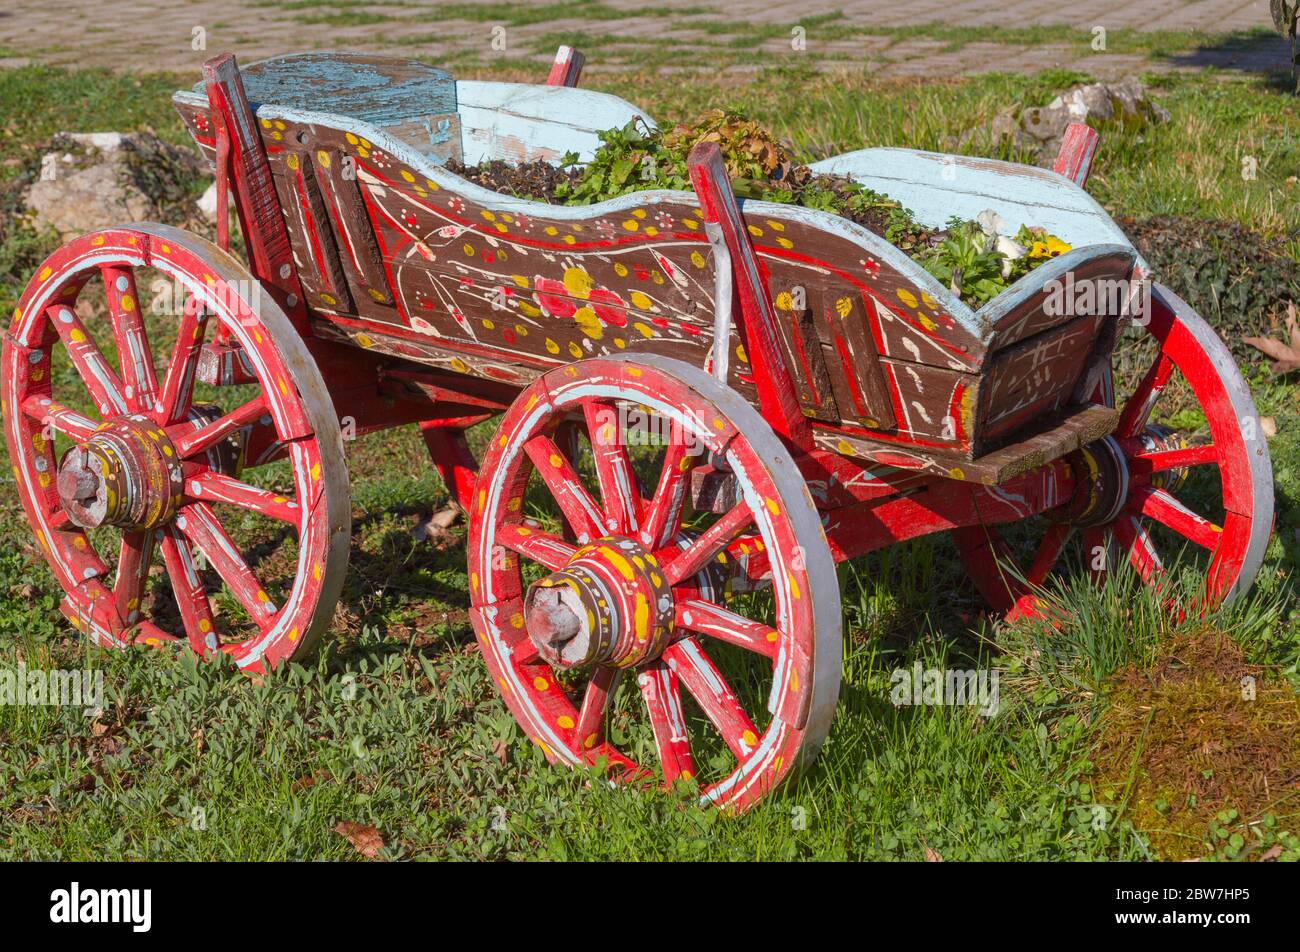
[1247,51]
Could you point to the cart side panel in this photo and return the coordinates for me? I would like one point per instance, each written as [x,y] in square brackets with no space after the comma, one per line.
[403,257]
[1047,332]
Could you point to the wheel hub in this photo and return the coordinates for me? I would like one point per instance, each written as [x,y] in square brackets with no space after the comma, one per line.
[127,474]
[1102,475]
[610,605]
[1158,438]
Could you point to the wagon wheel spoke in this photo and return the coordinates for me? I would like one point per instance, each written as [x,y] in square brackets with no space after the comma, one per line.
[1161,506]
[214,487]
[191,597]
[178,384]
[618,487]
[199,524]
[71,424]
[1048,553]
[190,442]
[702,679]
[663,513]
[96,375]
[557,472]
[705,547]
[533,543]
[1137,410]
[660,690]
[134,356]
[1134,541]
[595,705]
[1147,463]
[135,556]
[706,618]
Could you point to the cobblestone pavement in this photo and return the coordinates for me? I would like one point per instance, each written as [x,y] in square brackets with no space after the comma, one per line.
[893,38]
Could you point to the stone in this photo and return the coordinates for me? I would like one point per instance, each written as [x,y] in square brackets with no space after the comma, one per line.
[1038,130]
[95,180]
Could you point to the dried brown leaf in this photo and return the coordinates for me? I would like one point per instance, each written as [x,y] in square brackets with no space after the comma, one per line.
[366,840]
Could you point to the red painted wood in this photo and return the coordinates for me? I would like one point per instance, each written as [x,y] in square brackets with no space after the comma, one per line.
[567,67]
[776,391]
[521,450]
[453,459]
[261,217]
[161,482]
[1078,148]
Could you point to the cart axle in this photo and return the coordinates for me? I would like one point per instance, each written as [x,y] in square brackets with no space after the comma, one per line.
[610,605]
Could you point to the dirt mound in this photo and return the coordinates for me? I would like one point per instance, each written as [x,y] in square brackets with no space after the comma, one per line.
[1202,740]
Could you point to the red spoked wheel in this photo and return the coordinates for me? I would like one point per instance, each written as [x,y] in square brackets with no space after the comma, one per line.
[128,479]
[1202,487]
[733,694]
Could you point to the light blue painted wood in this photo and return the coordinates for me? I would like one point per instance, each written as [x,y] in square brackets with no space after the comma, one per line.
[937,187]
[365,87]
[524,122]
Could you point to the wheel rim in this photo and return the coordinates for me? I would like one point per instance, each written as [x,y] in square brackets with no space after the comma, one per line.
[1149,489]
[641,590]
[152,475]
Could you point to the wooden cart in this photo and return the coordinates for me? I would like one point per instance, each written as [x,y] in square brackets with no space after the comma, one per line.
[717,401]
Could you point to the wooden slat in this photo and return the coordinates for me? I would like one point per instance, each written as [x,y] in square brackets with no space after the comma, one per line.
[358,247]
[795,307]
[567,67]
[776,390]
[1078,147]
[861,391]
[324,267]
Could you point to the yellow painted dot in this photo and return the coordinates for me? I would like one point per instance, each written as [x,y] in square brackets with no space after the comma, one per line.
[640,301]
[907,297]
[323,158]
[631,224]
[541,683]
[749,739]
[565,722]
[589,323]
[551,346]
[578,282]
[773,636]
[407,176]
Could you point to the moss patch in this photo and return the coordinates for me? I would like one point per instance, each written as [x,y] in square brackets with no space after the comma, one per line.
[1199,763]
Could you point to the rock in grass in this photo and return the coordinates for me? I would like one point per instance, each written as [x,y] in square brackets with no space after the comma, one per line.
[89,181]
[1039,129]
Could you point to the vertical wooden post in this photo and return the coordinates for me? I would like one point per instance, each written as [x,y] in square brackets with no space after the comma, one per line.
[260,216]
[1079,145]
[776,392]
[453,459]
[567,67]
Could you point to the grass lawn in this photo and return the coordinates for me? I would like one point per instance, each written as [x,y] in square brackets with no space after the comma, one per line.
[396,726]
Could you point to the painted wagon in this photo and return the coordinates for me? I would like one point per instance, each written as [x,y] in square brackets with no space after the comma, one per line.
[704,405]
